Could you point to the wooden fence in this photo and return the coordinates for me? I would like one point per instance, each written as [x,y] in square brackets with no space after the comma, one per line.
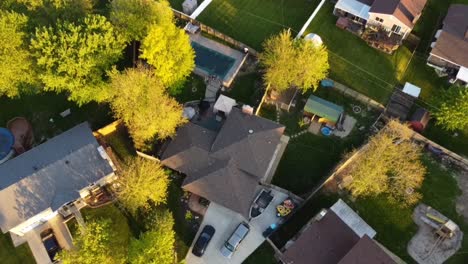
[215,33]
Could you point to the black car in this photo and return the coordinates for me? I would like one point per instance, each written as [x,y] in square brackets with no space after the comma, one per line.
[203,240]
[50,243]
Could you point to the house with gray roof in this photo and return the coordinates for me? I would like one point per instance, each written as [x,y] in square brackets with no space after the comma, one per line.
[35,185]
[338,235]
[449,54]
[226,165]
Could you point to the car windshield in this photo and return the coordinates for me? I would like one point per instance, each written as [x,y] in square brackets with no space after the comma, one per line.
[229,246]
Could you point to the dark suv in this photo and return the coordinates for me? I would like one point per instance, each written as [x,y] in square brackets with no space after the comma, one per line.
[203,239]
[50,243]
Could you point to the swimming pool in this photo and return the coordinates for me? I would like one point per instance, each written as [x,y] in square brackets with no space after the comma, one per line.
[211,61]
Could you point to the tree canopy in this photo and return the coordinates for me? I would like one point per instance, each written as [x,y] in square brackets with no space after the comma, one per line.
[155,246]
[95,244]
[167,48]
[452,108]
[140,100]
[74,57]
[15,69]
[389,164]
[142,181]
[135,16]
[289,63]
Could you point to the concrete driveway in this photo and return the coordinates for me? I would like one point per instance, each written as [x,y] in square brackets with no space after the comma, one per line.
[225,221]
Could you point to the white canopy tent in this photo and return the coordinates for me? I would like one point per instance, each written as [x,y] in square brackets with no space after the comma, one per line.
[224,104]
[354,7]
[412,90]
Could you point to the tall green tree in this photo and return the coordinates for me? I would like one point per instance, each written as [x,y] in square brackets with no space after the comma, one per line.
[389,164]
[74,57]
[16,71]
[288,62]
[95,244]
[135,16]
[140,100]
[452,108]
[155,246]
[167,48]
[142,181]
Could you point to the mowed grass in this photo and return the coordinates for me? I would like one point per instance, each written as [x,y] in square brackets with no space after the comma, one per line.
[354,63]
[11,255]
[394,224]
[251,22]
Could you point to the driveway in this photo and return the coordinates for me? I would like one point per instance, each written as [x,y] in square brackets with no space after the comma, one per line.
[225,221]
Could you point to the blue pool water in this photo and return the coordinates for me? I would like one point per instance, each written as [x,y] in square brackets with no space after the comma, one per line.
[212,61]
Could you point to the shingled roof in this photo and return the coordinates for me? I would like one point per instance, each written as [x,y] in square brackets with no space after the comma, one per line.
[49,175]
[452,44]
[226,166]
[407,11]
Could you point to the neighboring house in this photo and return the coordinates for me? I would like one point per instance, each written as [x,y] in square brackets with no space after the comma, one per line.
[449,54]
[225,165]
[37,185]
[396,17]
[337,235]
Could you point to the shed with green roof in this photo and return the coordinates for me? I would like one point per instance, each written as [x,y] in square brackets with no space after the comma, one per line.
[317,106]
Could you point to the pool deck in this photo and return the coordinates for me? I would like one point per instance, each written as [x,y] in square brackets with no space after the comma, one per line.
[223,49]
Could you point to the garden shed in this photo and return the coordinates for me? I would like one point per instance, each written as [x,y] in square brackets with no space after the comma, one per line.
[326,111]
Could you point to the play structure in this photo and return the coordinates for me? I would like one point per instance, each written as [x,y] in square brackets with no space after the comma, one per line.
[438,237]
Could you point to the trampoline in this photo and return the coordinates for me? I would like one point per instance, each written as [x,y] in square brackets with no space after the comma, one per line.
[7,140]
[211,61]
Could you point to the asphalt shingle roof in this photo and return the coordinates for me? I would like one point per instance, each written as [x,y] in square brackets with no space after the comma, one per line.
[225,167]
[49,175]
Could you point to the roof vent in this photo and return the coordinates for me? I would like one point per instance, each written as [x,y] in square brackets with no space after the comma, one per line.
[250,131]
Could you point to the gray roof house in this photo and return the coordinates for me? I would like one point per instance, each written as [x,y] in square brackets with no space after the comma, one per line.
[338,235]
[450,49]
[225,166]
[37,183]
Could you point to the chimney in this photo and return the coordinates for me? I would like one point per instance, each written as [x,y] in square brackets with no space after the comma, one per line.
[247,109]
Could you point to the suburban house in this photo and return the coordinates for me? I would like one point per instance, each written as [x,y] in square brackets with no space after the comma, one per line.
[225,163]
[449,54]
[41,186]
[337,235]
[394,18]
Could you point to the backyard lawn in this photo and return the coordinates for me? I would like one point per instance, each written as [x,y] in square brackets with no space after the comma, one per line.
[11,255]
[394,224]
[40,108]
[309,158]
[251,22]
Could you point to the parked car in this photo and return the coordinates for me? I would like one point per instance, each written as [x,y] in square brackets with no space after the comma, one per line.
[235,239]
[203,240]
[50,243]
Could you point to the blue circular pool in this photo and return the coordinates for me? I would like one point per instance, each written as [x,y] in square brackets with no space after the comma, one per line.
[6,142]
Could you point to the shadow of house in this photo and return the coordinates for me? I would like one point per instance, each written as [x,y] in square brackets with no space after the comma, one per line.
[35,185]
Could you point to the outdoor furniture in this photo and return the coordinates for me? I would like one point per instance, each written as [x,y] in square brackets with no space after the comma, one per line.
[285,208]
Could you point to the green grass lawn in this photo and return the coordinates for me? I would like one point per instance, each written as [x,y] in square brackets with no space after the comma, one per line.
[394,224]
[247,89]
[11,255]
[309,157]
[262,255]
[194,89]
[251,22]
[354,63]
[40,108]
